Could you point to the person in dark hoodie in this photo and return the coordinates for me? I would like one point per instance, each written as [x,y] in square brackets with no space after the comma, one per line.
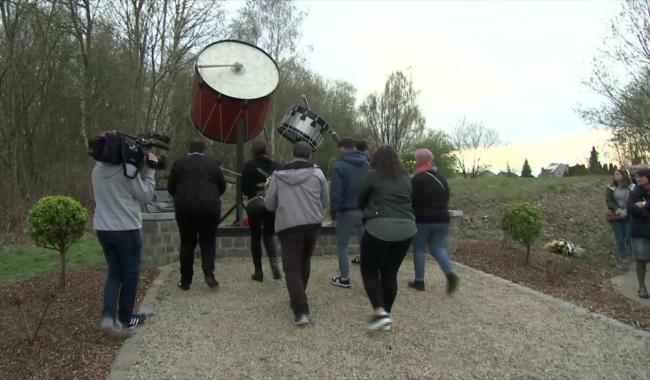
[638,207]
[347,175]
[118,220]
[430,204]
[298,193]
[254,176]
[385,197]
[196,183]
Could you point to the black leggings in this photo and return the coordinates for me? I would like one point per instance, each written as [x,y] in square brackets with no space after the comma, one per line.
[262,227]
[380,262]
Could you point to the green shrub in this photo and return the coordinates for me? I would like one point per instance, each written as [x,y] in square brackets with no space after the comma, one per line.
[55,222]
[522,222]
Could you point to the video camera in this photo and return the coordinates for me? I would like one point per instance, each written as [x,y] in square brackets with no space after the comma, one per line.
[121,148]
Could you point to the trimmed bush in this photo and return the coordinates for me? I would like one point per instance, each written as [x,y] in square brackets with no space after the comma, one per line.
[522,222]
[56,222]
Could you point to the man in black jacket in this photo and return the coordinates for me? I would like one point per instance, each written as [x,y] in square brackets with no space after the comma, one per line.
[196,183]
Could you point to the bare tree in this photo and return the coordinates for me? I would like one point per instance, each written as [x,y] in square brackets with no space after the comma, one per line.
[467,137]
[393,116]
[621,75]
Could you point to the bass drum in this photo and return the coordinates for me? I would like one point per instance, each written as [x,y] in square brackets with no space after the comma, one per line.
[233,80]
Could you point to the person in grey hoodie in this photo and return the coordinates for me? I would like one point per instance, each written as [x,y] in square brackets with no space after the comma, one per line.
[298,193]
[347,175]
[118,221]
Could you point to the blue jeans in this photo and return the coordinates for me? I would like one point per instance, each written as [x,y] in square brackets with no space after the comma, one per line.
[346,222]
[622,235]
[433,236]
[122,251]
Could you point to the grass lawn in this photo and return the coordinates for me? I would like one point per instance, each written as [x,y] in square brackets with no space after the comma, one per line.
[22,261]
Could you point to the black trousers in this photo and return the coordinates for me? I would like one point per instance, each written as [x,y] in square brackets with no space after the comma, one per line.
[197,226]
[298,245]
[262,228]
[380,262]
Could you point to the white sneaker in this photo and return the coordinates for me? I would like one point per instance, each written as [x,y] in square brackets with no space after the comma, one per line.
[301,320]
[380,322]
[114,330]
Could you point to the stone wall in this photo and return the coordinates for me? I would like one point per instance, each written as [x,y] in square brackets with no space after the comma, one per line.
[161,241]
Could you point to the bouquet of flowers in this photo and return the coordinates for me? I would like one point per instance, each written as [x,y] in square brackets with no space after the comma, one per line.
[561,246]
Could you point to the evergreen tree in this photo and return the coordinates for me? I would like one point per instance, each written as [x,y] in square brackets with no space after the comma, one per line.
[594,164]
[526,171]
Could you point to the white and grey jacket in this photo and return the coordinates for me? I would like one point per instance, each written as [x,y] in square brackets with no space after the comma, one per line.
[298,193]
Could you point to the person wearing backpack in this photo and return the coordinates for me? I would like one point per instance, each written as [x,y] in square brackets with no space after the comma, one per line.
[430,204]
[261,221]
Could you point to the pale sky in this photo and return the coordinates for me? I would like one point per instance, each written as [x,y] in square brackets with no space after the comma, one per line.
[516,66]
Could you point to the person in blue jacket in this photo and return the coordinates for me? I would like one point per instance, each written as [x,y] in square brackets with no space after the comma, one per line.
[347,175]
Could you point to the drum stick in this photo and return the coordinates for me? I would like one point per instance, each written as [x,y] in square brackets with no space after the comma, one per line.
[304,98]
[238,66]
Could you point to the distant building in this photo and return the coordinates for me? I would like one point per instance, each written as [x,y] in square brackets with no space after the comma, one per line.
[507,174]
[555,170]
[486,174]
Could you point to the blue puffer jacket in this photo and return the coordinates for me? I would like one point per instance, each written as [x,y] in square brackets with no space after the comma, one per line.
[347,175]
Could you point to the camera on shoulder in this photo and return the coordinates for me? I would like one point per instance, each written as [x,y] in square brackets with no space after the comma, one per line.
[120,148]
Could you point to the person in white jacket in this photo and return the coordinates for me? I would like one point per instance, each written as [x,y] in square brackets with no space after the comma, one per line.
[117,221]
[298,193]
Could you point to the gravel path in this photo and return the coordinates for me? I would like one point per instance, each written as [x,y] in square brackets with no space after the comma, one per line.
[489,329]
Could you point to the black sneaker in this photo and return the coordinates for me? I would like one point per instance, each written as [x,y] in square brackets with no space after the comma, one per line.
[452,283]
[259,277]
[340,282]
[417,285]
[277,275]
[136,320]
[380,322]
[211,281]
[183,286]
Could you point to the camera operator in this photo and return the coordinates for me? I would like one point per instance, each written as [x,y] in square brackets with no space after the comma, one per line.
[196,183]
[118,221]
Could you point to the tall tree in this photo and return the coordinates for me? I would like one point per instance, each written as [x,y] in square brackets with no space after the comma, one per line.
[526,172]
[621,76]
[467,138]
[393,116]
[275,27]
[594,163]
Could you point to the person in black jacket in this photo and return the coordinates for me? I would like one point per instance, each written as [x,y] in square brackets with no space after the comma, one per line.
[430,204]
[638,206]
[196,183]
[385,197]
[254,176]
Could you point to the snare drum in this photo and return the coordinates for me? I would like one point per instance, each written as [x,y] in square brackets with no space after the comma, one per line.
[233,80]
[301,124]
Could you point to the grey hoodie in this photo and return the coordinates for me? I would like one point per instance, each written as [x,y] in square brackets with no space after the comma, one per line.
[297,193]
[118,199]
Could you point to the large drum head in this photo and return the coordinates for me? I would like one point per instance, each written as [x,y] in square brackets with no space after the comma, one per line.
[257,77]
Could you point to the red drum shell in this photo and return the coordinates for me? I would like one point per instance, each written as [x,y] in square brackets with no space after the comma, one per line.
[215,115]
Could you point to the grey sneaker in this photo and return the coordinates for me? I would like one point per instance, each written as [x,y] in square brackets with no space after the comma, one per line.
[114,330]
